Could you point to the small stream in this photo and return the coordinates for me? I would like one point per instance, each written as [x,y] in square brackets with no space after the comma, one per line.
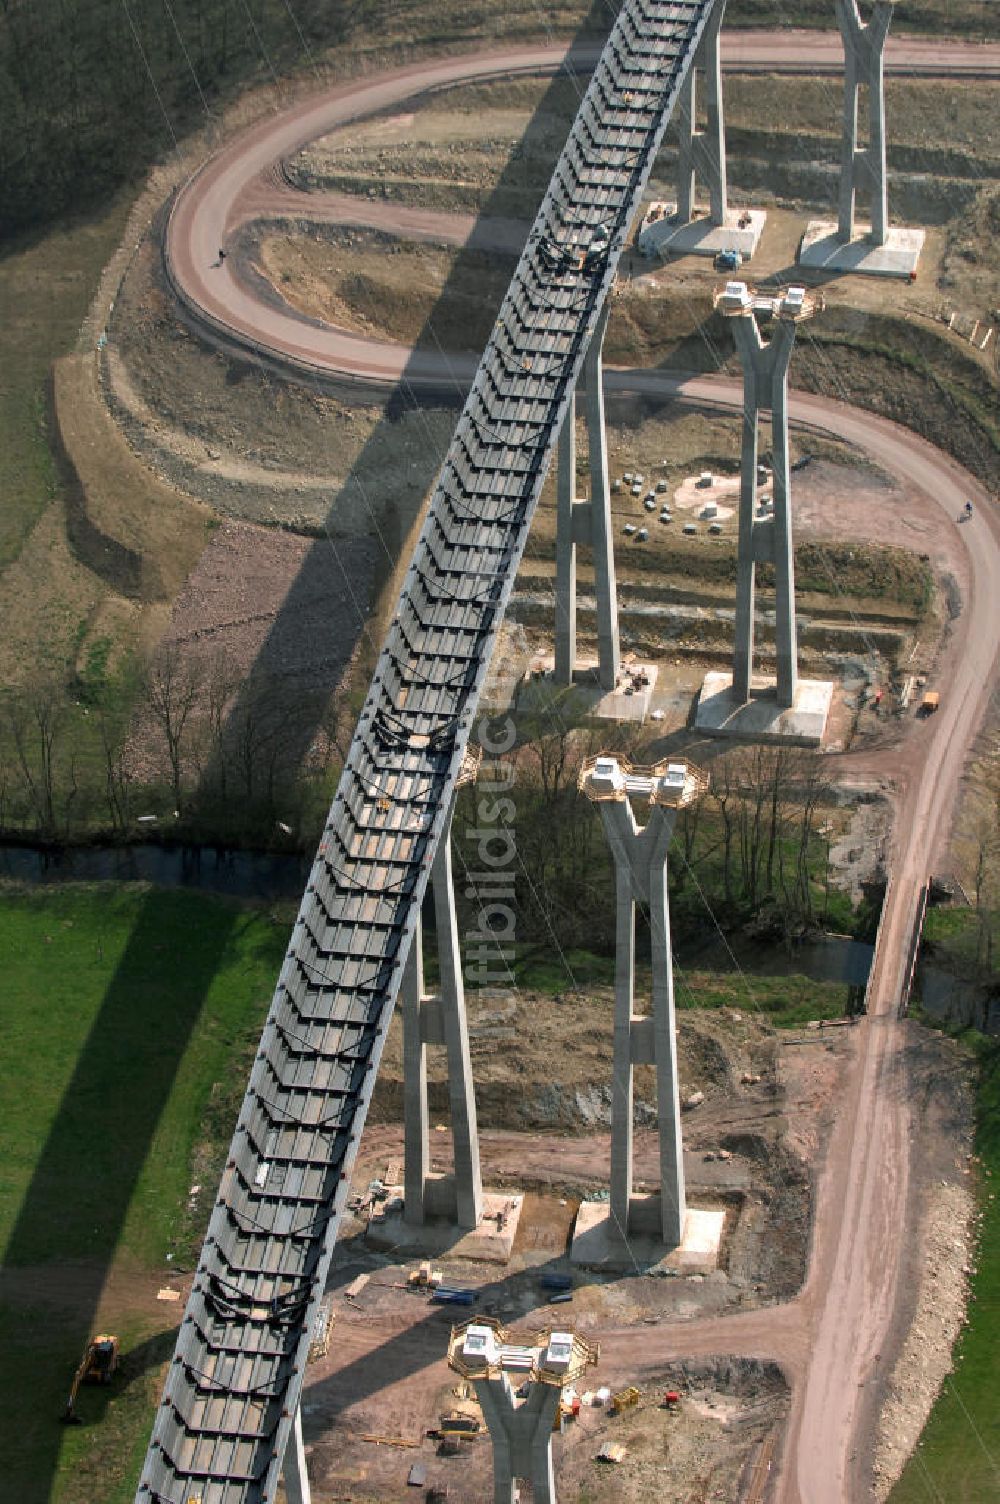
[260,875]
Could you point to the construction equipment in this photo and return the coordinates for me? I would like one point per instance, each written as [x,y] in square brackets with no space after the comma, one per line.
[555,1280]
[97,1366]
[929,703]
[611,1451]
[424,1277]
[624,1400]
[457,1423]
[452,1295]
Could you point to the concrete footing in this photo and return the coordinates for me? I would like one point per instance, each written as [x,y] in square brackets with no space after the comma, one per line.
[823,250]
[628,701]
[665,234]
[598,1242]
[761,718]
[490,1241]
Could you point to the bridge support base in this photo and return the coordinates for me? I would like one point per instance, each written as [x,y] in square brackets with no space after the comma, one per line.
[680,229]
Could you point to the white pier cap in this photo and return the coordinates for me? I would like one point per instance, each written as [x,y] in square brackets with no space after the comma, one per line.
[483,1349]
[791,303]
[669,783]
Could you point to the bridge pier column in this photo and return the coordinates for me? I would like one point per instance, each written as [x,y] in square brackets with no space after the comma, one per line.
[521,1435]
[765,538]
[702,153]
[294,1468]
[863,168]
[587,522]
[439,1019]
[640,856]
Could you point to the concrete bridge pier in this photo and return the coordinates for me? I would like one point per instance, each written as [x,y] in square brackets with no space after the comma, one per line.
[876,249]
[644,1039]
[522,1437]
[769,538]
[586,522]
[734,704]
[632,1230]
[863,168]
[439,1019]
[519,1387]
[702,153]
[296,1478]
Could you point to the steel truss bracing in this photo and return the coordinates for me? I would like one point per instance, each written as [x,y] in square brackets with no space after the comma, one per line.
[233,1386]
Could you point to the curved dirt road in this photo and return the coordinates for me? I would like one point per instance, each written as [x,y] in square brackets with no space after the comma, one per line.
[829,1336]
[242,182]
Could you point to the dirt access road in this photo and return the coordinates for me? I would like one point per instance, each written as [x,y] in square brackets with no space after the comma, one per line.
[244,182]
[829,1338]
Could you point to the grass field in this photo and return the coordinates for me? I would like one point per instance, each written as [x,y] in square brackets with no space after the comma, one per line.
[784,1001]
[958,939]
[45,290]
[958,1456]
[127,1019]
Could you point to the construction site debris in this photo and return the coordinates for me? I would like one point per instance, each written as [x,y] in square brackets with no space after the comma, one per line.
[319,1344]
[611,1451]
[624,1400]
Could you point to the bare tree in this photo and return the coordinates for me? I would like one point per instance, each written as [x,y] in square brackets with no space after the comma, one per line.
[174,686]
[112,721]
[36,718]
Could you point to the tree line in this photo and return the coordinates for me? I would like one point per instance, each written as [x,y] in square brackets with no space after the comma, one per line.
[753,850]
[188,746]
[185,744]
[91,93]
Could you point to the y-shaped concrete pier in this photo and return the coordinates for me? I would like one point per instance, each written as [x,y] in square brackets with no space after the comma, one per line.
[677,229]
[873,249]
[736,705]
[702,153]
[442,1212]
[521,1429]
[863,167]
[640,858]
[586,522]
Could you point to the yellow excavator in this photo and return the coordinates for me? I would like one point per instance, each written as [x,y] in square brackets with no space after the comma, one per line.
[97,1366]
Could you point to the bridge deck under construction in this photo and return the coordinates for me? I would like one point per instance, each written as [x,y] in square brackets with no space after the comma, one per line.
[236,1377]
